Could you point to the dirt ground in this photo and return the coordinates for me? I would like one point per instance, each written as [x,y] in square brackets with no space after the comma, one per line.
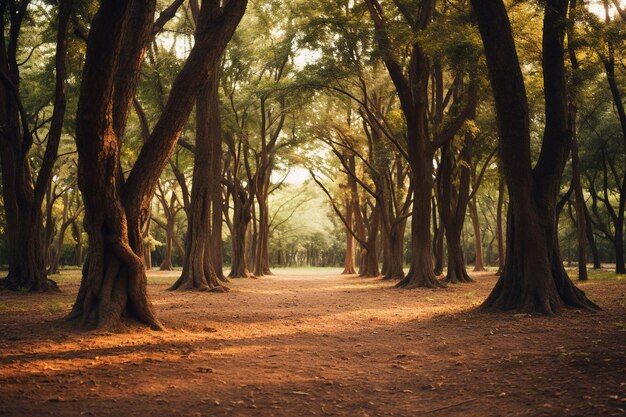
[305,344]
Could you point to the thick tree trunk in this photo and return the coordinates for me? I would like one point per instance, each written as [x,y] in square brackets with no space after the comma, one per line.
[453,206]
[199,271]
[421,269]
[532,254]
[241,219]
[396,249]
[533,279]
[114,282]
[456,273]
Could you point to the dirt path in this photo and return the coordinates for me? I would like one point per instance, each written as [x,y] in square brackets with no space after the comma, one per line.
[317,345]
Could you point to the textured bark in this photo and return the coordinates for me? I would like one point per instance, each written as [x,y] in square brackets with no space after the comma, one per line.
[533,279]
[242,215]
[453,207]
[114,283]
[199,270]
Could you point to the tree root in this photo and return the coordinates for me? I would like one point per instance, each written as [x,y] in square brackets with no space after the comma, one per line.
[420,280]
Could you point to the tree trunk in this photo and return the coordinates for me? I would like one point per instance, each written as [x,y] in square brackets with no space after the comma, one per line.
[370,254]
[453,207]
[421,269]
[396,246]
[78,249]
[261,258]
[581,227]
[348,260]
[609,66]
[242,216]
[478,242]
[166,263]
[199,271]
[215,137]
[438,232]
[23,196]
[533,279]
[114,283]
[500,234]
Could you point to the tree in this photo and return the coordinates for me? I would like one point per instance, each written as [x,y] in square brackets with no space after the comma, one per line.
[116,208]
[202,269]
[411,84]
[533,279]
[23,194]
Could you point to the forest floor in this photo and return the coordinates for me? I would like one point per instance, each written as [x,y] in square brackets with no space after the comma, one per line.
[316,343]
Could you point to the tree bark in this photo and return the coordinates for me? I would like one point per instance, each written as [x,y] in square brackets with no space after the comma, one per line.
[581,226]
[114,283]
[199,271]
[500,234]
[242,215]
[533,279]
[348,260]
[453,207]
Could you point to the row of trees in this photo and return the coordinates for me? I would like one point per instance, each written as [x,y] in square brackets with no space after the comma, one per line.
[385,103]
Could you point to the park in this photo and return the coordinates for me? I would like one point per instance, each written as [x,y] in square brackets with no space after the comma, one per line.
[330,207]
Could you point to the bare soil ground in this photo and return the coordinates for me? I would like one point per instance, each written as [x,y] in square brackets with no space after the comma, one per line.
[306,344]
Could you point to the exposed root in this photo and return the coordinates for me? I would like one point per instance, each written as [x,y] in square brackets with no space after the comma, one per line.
[219,288]
[420,280]
[392,277]
[456,276]
[44,285]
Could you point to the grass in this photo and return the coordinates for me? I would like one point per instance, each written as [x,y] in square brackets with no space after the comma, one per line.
[54,306]
[597,275]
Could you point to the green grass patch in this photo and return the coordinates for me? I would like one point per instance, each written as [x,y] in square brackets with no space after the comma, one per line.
[54,306]
[597,275]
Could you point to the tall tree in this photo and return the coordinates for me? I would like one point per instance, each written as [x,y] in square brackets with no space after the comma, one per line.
[114,277]
[533,279]
[23,194]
